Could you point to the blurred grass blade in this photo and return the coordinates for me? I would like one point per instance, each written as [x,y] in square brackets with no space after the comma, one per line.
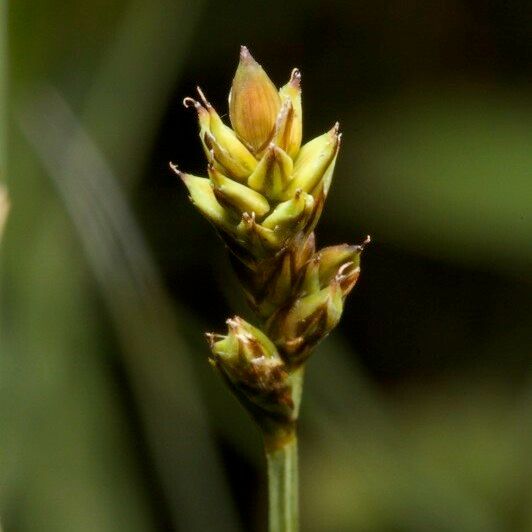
[136,77]
[155,357]
[4,200]
[3,90]
[447,174]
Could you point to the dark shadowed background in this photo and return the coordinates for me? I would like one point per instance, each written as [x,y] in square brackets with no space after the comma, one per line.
[417,414]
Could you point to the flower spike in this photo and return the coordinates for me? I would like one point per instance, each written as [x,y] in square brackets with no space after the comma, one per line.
[264,194]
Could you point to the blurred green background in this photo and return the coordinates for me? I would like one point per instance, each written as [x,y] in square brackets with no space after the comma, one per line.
[417,413]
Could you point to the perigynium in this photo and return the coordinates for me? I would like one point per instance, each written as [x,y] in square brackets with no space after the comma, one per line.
[264,194]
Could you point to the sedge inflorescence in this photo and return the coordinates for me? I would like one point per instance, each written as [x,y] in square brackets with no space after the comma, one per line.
[264,194]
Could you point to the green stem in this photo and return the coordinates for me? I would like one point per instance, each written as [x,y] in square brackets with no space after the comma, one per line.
[283,484]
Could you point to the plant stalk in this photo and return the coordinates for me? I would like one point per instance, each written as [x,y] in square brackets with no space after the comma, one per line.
[283,485]
[280,443]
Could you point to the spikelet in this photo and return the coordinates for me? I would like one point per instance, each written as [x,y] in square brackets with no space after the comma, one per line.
[264,193]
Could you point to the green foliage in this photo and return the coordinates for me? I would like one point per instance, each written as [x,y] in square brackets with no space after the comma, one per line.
[417,410]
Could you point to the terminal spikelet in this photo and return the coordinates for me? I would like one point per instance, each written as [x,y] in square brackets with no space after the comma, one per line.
[264,192]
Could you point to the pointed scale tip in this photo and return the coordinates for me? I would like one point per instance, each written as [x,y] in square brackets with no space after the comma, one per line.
[295,78]
[203,98]
[233,323]
[246,57]
[335,134]
[210,339]
[178,172]
[366,241]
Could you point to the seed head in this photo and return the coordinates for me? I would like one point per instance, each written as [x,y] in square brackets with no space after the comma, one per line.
[264,194]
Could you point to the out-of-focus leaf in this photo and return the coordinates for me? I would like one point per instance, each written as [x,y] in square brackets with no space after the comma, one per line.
[136,77]
[116,63]
[448,460]
[65,463]
[449,173]
[155,355]
[3,90]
